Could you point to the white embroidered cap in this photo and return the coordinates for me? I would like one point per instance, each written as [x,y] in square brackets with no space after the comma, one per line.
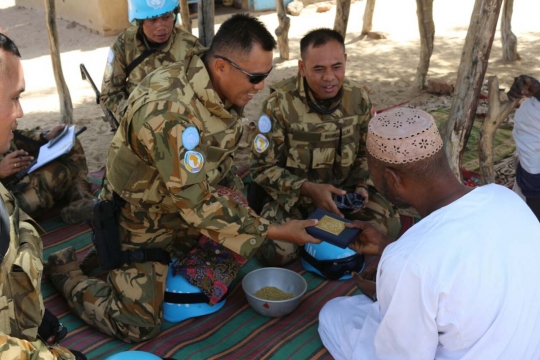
[403,135]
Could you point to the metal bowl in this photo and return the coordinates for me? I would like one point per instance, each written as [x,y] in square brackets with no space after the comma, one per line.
[283,279]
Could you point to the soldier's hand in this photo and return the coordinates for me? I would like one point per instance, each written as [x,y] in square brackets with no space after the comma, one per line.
[524,86]
[293,231]
[370,241]
[14,162]
[55,131]
[363,193]
[321,194]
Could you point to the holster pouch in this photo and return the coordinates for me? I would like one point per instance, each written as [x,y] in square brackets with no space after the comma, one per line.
[257,197]
[106,236]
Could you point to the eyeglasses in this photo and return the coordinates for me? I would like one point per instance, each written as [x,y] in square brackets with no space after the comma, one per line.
[253,78]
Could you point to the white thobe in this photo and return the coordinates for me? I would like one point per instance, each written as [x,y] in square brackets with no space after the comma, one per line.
[527,135]
[463,283]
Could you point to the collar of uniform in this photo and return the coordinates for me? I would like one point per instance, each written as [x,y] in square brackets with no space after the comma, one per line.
[199,79]
[328,107]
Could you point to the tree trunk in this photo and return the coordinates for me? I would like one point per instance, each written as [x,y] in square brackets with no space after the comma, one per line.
[206,21]
[509,40]
[282,31]
[342,16]
[497,112]
[367,24]
[424,10]
[472,69]
[66,107]
[184,15]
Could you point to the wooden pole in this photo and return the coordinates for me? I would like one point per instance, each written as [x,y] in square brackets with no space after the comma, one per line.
[206,21]
[66,107]
[367,24]
[282,31]
[342,16]
[424,10]
[509,39]
[184,15]
[472,68]
[497,112]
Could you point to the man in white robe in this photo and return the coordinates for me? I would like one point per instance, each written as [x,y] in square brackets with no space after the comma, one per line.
[527,136]
[460,284]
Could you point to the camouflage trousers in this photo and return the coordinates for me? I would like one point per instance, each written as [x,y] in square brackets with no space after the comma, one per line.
[21,300]
[378,211]
[129,304]
[59,180]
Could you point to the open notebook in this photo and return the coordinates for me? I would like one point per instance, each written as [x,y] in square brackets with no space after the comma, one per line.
[60,146]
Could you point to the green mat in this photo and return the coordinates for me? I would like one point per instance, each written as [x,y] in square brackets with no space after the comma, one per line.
[503,143]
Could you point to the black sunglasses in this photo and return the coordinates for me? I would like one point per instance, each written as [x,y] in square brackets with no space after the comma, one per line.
[253,78]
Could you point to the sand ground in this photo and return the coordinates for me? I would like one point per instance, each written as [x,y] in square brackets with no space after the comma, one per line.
[387,67]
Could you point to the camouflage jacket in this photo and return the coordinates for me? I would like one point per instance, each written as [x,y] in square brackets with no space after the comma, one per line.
[21,303]
[129,45]
[297,144]
[174,146]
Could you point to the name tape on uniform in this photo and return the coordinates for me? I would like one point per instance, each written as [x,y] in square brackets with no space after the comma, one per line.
[334,135]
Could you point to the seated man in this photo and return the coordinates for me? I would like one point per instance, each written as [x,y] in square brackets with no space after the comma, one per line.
[311,144]
[63,180]
[460,284]
[527,137]
[170,172]
[21,303]
[141,49]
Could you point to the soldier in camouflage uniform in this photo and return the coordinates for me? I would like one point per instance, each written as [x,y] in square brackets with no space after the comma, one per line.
[311,144]
[170,158]
[21,303]
[62,180]
[155,38]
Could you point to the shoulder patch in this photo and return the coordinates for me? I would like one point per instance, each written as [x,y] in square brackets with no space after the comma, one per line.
[109,66]
[191,137]
[193,161]
[265,124]
[261,143]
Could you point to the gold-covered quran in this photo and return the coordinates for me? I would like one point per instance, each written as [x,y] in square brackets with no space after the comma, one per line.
[331,225]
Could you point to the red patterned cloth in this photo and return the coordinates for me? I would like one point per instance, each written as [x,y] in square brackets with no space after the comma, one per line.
[210,266]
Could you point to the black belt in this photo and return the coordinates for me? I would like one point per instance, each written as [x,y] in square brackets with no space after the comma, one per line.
[146,255]
[186,298]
